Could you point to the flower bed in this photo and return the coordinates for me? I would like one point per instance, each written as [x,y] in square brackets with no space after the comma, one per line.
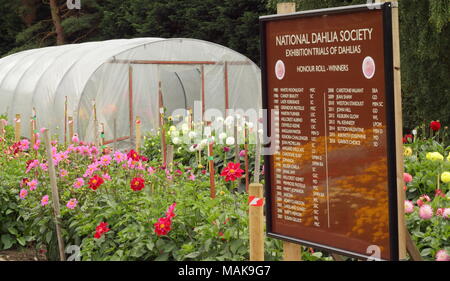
[126,206]
[427,185]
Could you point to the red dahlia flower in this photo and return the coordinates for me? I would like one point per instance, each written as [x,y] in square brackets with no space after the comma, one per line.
[133,155]
[407,138]
[435,125]
[162,226]
[101,229]
[232,171]
[137,184]
[95,182]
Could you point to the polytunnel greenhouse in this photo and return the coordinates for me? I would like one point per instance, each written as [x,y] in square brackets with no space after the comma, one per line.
[123,78]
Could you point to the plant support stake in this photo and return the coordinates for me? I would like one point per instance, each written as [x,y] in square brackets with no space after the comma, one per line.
[55,195]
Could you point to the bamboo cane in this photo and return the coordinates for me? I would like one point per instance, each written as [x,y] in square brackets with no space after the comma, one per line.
[17,128]
[138,134]
[2,128]
[55,195]
[71,129]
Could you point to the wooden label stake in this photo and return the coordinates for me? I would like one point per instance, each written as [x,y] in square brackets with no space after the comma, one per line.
[65,121]
[71,132]
[138,134]
[115,135]
[2,128]
[292,252]
[211,170]
[257,170]
[256,224]
[236,143]
[55,195]
[247,170]
[17,128]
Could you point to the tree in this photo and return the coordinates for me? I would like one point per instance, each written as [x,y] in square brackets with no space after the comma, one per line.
[424,34]
[56,17]
[11,24]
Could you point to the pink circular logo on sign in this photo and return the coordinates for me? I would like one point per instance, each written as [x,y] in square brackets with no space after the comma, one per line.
[368,67]
[280,69]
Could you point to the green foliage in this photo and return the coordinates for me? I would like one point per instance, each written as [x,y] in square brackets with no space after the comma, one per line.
[433,234]
[12,230]
[430,235]
[425,35]
[10,26]
[426,172]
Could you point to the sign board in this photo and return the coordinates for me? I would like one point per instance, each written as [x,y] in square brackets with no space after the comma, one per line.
[328,83]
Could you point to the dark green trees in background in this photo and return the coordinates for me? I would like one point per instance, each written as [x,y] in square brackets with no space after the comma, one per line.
[425,46]
[424,31]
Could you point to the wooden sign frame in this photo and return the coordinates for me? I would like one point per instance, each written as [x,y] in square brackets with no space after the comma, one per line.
[393,118]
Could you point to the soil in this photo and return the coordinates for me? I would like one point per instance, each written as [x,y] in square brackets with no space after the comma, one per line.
[26,254]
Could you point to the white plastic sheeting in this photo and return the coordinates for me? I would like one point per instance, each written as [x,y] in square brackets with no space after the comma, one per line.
[101,72]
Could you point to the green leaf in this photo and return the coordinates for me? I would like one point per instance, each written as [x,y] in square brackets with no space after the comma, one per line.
[235,245]
[317,254]
[160,244]
[21,241]
[425,252]
[8,241]
[12,230]
[163,257]
[192,255]
[48,237]
[150,245]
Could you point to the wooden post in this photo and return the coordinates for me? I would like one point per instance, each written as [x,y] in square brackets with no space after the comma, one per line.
[17,128]
[337,257]
[55,195]
[71,132]
[292,252]
[94,106]
[170,152]
[102,135]
[130,101]
[203,91]
[257,155]
[161,124]
[163,137]
[236,143]
[189,120]
[247,170]
[65,121]
[33,126]
[398,134]
[412,249]
[256,224]
[32,135]
[2,128]
[226,89]
[138,134]
[212,182]
[286,8]
[115,135]
[398,131]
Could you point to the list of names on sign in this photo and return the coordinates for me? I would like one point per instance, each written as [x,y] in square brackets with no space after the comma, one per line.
[325,84]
